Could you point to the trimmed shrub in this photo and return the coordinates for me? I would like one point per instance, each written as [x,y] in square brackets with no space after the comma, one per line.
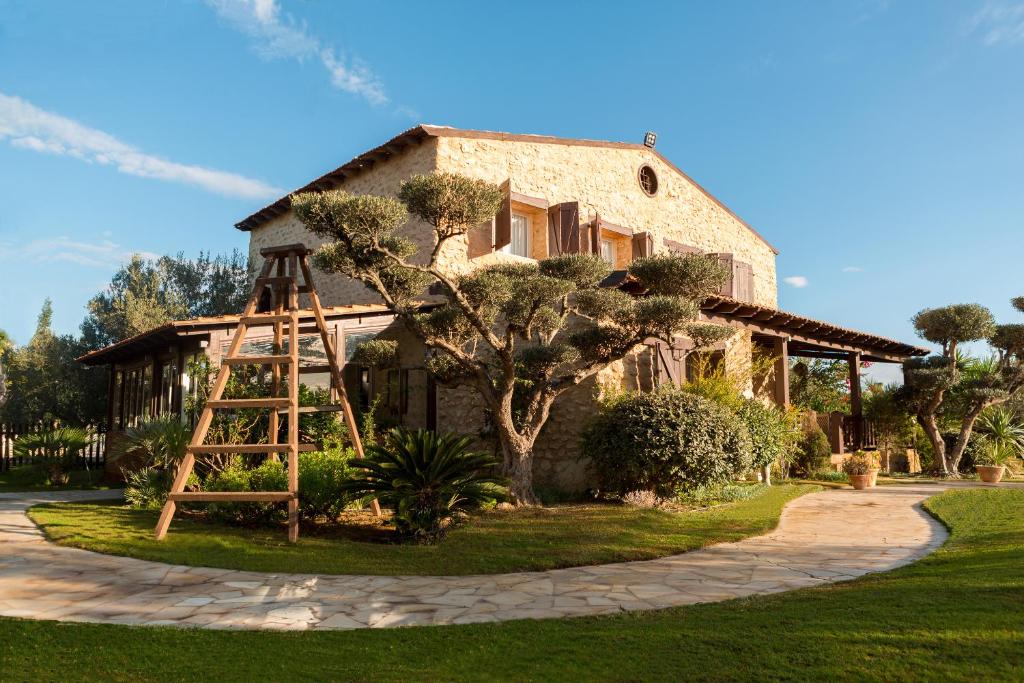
[667,441]
[813,452]
[269,476]
[770,432]
[321,474]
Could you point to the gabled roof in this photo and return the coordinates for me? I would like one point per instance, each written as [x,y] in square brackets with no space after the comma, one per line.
[416,135]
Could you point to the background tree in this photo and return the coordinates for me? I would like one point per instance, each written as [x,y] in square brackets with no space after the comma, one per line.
[520,334]
[820,385]
[894,425]
[932,384]
[6,345]
[45,382]
[145,294]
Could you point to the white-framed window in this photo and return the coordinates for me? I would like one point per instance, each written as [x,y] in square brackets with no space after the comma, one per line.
[520,245]
[608,251]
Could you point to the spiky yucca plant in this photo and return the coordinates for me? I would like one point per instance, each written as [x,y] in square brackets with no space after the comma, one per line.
[1002,437]
[426,479]
[55,451]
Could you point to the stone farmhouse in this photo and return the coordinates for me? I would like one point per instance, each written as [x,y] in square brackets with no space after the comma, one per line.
[618,200]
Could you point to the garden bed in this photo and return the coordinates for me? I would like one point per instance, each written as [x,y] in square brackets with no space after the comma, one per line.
[490,542]
[25,478]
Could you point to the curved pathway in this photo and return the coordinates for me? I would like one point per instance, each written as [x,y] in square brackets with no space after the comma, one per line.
[824,537]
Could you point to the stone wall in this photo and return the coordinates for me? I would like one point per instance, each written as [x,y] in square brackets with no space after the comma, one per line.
[382,179]
[604,180]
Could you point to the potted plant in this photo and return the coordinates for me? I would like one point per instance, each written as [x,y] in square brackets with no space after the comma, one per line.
[1001,437]
[858,467]
[875,466]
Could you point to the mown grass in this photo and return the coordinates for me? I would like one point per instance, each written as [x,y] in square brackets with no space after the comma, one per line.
[957,615]
[493,542]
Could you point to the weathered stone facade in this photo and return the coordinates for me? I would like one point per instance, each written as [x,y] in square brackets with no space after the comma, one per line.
[603,179]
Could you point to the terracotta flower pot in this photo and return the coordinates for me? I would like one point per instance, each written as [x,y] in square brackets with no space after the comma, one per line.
[873,474]
[860,481]
[990,474]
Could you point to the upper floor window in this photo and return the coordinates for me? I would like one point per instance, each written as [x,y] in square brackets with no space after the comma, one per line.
[520,244]
[648,180]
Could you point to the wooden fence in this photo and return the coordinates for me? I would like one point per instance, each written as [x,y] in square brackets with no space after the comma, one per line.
[94,456]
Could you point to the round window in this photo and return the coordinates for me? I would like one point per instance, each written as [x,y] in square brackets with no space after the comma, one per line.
[648,180]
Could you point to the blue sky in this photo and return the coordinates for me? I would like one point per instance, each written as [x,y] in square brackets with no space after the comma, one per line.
[877,144]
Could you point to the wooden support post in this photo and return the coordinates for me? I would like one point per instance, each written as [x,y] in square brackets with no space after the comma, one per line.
[856,404]
[781,352]
[293,400]
[350,418]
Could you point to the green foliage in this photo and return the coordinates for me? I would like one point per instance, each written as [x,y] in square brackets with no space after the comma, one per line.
[321,477]
[894,425]
[146,488]
[820,385]
[951,325]
[584,271]
[377,353]
[706,335]
[770,432]
[1001,437]
[860,462]
[426,479]
[270,475]
[604,305]
[667,441]
[535,362]
[450,202]
[44,381]
[709,496]
[813,452]
[691,276]
[54,452]
[662,315]
[159,443]
[145,294]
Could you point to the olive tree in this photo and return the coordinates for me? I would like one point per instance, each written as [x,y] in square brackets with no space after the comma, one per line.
[520,334]
[933,383]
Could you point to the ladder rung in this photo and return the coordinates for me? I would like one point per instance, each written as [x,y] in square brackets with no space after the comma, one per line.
[314,368]
[333,408]
[231,496]
[230,403]
[312,329]
[280,280]
[256,360]
[251,448]
[298,248]
[264,319]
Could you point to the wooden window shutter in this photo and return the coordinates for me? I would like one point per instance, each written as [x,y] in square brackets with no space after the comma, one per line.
[481,239]
[744,281]
[503,221]
[595,235]
[643,245]
[564,228]
[680,248]
[729,286]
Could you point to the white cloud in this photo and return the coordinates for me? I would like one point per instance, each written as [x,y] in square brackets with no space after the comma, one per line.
[278,35]
[102,254]
[795,281]
[998,22]
[852,269]
[29,127]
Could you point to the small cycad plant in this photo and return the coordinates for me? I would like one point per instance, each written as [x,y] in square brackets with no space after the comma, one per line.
[54,452]
[427,479]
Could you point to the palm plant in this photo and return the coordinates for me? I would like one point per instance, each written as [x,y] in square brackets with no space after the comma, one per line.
[426,479]
[55,451]
[1002,437]
[161,443]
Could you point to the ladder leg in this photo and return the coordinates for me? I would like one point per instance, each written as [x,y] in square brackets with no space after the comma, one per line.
[180,479]
[293,401]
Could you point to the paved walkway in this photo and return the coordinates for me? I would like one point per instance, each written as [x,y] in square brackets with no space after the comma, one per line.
[823,537]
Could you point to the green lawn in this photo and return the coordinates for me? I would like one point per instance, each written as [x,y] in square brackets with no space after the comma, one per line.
[24,478]
[955,615]
[545,538]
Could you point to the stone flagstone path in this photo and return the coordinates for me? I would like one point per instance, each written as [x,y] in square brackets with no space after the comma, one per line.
[824,537]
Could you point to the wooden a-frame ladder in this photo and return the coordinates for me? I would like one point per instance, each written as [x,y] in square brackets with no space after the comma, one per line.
[280,271]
